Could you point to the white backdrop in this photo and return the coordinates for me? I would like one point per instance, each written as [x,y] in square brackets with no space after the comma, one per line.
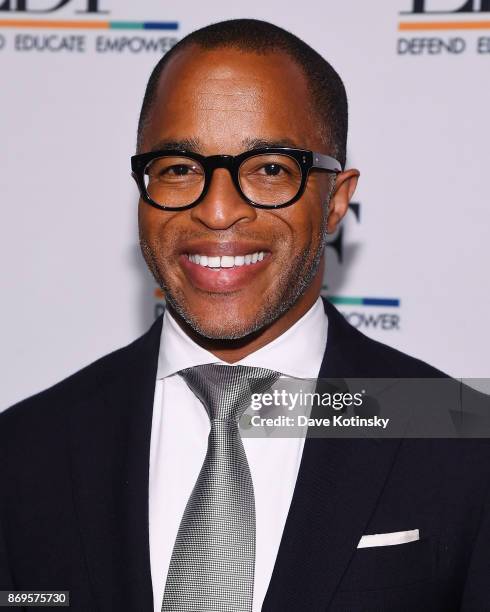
[74,284]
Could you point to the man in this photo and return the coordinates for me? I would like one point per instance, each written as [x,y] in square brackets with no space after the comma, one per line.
[127,486]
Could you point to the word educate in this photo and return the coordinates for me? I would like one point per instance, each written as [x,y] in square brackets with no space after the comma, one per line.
[289,400]
[75,43]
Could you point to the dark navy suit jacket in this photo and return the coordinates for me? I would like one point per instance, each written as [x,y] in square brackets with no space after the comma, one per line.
[74,497]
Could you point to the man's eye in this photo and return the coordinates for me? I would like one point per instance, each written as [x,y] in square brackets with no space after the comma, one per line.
[273,169]
[179,170]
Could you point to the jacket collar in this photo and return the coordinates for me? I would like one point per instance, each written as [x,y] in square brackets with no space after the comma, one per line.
[110,441]
[338,484]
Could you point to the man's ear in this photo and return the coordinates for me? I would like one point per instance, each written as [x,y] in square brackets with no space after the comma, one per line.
[345,185]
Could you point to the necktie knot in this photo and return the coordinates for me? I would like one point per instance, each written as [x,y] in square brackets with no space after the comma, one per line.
[226,390]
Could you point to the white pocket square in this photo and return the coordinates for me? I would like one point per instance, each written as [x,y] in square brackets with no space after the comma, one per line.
[388,539]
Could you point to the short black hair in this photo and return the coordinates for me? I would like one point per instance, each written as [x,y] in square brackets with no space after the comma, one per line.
[251,35]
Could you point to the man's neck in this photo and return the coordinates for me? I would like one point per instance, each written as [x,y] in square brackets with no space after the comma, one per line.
[232,351]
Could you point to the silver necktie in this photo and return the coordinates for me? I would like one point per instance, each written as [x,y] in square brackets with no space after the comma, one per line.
[212,564]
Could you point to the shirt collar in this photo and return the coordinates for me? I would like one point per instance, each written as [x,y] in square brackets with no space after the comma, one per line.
[298,352]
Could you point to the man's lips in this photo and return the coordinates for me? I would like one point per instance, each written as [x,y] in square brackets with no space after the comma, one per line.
[223,279]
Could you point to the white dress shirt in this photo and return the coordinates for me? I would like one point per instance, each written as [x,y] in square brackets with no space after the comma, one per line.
[179,437]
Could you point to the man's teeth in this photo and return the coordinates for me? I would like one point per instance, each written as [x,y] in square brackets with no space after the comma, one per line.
[227,261]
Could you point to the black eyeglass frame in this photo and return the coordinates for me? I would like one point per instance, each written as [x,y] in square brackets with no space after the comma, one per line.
[305,159]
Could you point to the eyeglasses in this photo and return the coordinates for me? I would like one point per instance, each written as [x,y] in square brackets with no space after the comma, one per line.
[265,178]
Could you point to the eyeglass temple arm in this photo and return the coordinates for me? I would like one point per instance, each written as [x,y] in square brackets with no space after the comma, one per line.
[326,162]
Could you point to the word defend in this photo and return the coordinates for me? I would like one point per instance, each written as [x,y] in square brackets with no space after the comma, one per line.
[440,46]
[431,46]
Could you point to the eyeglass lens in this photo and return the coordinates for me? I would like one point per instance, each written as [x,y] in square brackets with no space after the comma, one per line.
[266,179]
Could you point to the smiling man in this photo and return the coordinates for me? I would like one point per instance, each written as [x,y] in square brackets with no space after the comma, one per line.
[129,484]
[239,254]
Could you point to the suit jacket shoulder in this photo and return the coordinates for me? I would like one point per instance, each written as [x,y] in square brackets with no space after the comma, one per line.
[42,407]
[350,353]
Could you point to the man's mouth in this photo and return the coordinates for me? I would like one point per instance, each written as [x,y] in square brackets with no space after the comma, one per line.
[213,272]
[226,261]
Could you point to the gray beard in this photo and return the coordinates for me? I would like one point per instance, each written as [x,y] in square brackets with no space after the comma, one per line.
[293,282]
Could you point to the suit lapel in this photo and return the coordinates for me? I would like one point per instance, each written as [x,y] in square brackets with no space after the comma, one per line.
[338,485]
[110,449]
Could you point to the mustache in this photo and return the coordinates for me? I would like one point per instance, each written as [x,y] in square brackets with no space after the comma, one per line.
[174,243]
[232,235]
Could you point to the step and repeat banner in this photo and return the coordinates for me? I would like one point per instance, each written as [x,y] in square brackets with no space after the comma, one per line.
[409,266]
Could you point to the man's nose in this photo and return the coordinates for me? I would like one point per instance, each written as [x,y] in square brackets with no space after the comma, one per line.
[223,206]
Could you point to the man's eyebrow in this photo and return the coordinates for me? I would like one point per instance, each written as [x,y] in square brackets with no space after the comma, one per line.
[261,143]
[184,144]
[194,144]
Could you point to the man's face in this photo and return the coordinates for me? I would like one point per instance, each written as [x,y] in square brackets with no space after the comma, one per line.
[225,102]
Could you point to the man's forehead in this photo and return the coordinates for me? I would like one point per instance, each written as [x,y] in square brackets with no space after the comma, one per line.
[220,73]
[230,93]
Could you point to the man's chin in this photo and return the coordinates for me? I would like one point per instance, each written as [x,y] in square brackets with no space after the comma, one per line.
[223,328]
[219,322]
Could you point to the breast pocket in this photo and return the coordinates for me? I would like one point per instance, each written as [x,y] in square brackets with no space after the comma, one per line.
[390,566]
